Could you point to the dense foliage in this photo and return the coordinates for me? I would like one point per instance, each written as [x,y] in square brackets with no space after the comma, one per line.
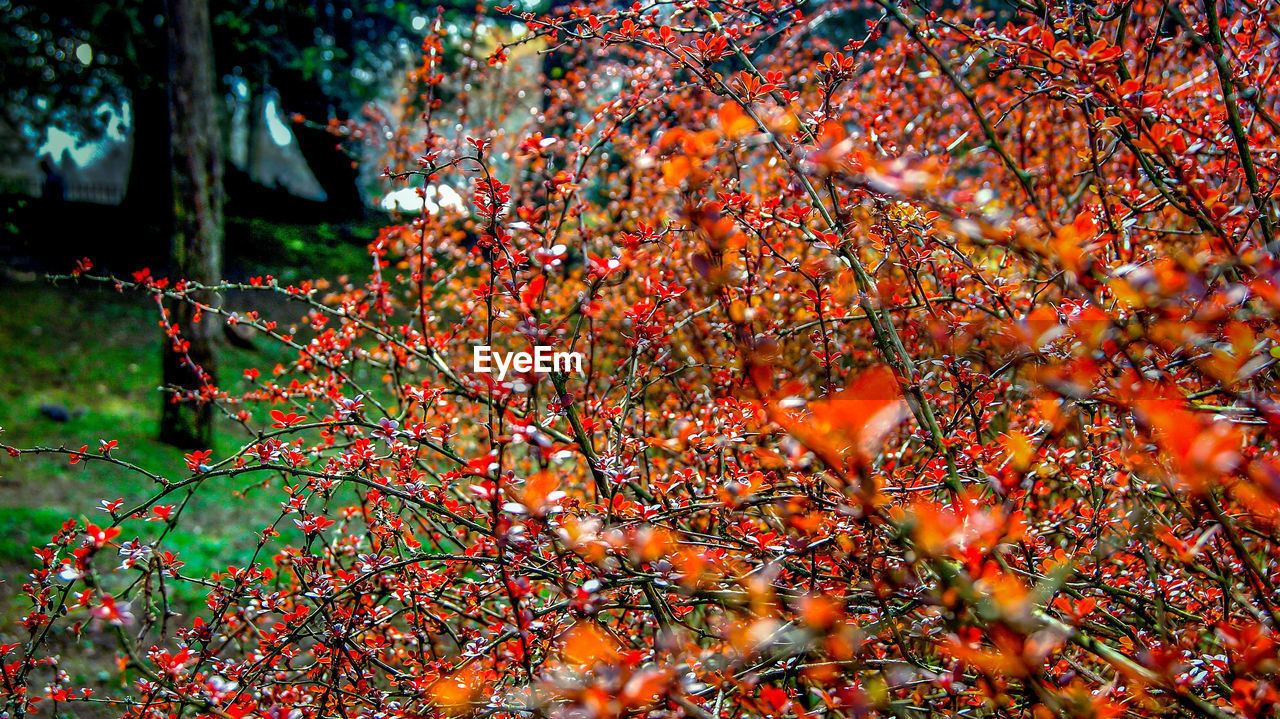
[928,372]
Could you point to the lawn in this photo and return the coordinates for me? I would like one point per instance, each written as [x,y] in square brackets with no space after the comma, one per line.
[96,354]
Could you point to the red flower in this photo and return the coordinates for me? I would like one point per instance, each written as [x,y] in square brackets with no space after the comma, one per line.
[78,455]
[195,460]
[286,420]
[100,536]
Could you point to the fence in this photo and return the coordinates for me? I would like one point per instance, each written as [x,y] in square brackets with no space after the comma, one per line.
[98,193]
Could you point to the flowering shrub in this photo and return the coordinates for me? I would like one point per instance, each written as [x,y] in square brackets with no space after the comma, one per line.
[928,371]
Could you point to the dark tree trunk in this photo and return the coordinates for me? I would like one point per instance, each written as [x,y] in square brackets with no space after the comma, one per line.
[196,156]
[148,198]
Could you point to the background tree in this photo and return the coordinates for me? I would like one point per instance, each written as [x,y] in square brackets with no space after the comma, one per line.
[195,148]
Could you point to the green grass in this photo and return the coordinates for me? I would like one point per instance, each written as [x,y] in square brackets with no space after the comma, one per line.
[95,351]
[293,252]
[87,348]
[20,528]
[99,353]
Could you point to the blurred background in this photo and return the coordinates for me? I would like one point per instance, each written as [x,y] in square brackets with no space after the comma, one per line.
[85,120]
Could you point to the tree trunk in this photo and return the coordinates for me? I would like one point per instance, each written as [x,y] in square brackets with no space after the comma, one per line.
[148,198]
[195,152]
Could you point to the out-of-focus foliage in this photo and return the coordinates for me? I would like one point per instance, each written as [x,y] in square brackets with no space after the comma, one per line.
[63,60]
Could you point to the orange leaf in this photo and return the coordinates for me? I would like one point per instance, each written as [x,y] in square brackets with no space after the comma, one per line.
[538,491]
[586,644]
[454,694]
[675,170]
[734,123]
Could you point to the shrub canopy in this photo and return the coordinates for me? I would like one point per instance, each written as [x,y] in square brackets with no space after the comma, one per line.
[927,371]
